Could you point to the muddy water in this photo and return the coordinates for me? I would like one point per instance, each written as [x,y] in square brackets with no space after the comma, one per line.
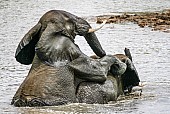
[150,51]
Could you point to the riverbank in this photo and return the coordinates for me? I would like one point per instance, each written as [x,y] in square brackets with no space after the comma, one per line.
[156,20]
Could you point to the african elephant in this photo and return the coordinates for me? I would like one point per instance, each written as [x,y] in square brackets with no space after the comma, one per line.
[49,46]
[117,83]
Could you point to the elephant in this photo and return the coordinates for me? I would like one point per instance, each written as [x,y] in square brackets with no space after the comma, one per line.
[49,46]
[117,82]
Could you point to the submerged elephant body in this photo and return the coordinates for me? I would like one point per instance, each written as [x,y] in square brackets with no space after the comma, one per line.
[122,78]
[49,46]
[100,93]
[46,85]
[57,61]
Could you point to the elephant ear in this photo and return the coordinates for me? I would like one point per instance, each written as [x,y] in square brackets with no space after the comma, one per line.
[26,49]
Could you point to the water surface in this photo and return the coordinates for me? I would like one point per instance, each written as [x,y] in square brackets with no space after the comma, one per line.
[150,51]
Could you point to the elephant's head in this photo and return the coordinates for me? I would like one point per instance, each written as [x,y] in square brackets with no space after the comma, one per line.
[65,24]
[117,67]
[95,69]
[130,77]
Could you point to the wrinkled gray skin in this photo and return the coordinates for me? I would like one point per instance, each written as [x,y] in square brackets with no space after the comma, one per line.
[49,46]
[122,76]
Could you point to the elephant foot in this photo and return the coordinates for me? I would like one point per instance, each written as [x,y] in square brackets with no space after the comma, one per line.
[36,102]
[19,103]
[31,103]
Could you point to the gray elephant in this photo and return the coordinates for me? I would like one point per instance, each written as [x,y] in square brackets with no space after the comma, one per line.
[120,80]
[49,46]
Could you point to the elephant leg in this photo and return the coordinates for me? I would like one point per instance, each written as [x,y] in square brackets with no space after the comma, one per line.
[46,102]
[100,93]
[22,101]
[36,102]
[18,102]
[90,93]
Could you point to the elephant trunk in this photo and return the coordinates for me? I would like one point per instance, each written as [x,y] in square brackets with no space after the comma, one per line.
[94,43]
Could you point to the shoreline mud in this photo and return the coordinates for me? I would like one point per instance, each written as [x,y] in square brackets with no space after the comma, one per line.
[156,20]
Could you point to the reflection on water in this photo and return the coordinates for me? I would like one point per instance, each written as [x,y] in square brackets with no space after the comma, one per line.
[150,50]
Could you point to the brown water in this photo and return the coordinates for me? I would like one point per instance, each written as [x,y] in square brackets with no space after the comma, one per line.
[150,51]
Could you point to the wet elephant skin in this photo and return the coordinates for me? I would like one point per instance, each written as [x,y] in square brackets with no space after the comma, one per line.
[49,46]
[114,86]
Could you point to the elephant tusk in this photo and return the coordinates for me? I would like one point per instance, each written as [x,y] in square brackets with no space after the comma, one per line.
[96,29]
